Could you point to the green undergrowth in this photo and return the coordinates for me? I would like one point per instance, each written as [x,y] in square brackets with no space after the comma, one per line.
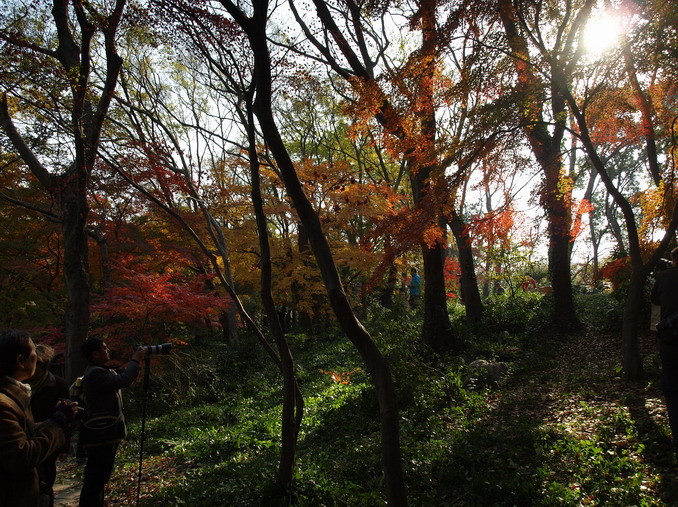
[562,429]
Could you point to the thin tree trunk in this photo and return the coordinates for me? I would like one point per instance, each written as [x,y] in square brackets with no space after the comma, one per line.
[255,28]
[631,358]
[293,403]
[468,283]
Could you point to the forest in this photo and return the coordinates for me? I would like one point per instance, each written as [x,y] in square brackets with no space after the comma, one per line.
[256,182]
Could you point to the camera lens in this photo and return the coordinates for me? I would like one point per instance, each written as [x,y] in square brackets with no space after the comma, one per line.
[163,348]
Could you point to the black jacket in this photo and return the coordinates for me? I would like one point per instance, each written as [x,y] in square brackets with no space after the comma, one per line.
[665,294]
[101,387]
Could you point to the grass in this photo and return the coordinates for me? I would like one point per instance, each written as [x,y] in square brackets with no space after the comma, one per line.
[562,429]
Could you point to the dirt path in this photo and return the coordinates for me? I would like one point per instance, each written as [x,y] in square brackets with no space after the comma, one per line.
[68,483]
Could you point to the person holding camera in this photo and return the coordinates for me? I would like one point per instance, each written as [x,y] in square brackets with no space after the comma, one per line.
[104,427]
[665,294]
[25,444]
[46,391]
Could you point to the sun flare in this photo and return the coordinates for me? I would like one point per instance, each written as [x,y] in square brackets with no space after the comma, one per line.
[602,33]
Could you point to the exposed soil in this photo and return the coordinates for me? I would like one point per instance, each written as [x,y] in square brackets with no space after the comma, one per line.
[68,483]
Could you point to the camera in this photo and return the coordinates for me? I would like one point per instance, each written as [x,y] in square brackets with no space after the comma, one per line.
[154,350]
[64,404]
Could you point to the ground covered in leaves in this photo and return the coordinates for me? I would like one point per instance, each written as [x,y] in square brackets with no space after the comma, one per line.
[563,429]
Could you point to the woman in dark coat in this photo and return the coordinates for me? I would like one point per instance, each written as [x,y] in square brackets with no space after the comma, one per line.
[46,390]
[23,444]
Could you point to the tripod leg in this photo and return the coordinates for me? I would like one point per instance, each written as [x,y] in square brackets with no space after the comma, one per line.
[147,376]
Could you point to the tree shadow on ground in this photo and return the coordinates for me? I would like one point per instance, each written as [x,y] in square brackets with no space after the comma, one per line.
[647,408]
[560,434]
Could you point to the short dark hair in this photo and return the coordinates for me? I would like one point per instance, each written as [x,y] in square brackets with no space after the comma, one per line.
[90,346]
[13,343]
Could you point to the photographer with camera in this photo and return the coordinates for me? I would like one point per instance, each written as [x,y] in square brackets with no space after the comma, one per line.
[24,444]
[104,427]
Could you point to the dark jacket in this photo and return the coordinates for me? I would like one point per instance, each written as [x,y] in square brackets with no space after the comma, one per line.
[665,294]
[101,387]
[45,395]
[23,446]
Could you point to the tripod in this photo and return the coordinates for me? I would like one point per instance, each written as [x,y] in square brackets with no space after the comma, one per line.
[147,376]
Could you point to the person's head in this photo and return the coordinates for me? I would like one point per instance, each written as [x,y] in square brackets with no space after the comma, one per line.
[45,355]
[95,351]
[674,257]
[413,271]
[17,354]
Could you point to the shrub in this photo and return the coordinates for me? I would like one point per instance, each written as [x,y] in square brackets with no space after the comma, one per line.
[527,313]
[600,311]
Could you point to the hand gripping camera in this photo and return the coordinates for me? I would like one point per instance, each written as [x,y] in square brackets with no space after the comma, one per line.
[154,350]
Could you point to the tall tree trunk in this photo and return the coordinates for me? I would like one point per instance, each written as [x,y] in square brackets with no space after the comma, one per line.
[87,117]
[437,329]
[556,195]
[468,283]
[255,28]
[559,223]
[293,402]
[632,361]
[76,270]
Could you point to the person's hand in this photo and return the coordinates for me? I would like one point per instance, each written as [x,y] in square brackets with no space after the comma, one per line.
[139,354]
[64,413]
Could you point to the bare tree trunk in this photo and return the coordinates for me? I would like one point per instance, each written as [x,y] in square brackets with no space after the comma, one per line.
[546,148]
[76,270]
[437,328]
[293,402]
[468,283]
[255,28]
